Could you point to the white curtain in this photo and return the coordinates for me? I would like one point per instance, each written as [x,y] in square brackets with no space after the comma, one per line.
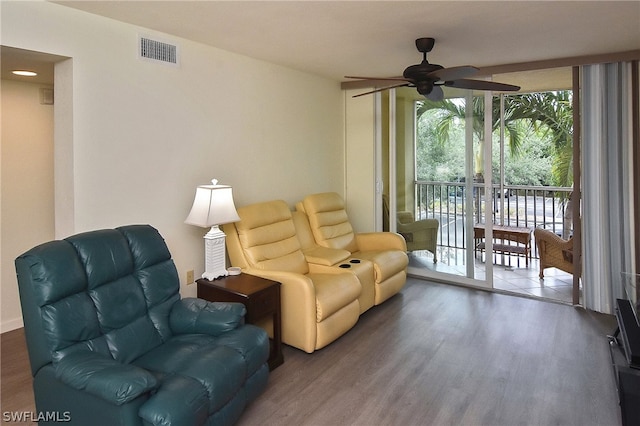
[607,189]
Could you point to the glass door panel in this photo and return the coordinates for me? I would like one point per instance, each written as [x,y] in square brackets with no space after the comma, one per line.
[435,188]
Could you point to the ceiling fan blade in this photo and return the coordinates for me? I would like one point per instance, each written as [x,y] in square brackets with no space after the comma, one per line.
[481,85]
[381,89]
[436,94]
[378,78]
[454,73]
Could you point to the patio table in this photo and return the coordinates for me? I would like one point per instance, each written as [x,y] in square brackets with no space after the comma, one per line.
[510,239]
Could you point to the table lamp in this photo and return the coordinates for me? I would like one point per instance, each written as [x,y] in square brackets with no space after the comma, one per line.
[213,206]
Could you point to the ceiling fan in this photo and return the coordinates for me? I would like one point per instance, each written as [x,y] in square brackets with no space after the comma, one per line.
[427,78]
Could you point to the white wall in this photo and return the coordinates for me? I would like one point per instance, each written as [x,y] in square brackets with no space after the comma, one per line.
[26,182]
[144,135]
[361,158]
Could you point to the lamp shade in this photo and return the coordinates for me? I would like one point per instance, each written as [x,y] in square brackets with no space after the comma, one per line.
[213,205]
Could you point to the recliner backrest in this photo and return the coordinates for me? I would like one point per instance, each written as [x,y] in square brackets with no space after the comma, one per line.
[267,235]
[329,221]
[108,291]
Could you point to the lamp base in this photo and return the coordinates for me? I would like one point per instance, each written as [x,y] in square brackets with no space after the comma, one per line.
[215,255]
[214,275]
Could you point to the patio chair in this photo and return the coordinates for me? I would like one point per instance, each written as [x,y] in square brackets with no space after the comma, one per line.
[554,251]
[419,234]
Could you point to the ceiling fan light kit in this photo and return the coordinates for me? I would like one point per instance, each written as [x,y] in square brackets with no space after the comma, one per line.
[427,78]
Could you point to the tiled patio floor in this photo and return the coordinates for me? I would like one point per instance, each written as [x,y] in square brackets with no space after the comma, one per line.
[510,273]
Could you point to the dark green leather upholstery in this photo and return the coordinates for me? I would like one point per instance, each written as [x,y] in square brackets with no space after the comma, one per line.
[111,342]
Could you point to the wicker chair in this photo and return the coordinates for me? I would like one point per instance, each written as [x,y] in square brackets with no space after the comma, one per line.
[554,251]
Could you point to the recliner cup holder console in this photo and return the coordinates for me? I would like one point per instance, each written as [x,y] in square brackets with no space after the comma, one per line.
[347,265]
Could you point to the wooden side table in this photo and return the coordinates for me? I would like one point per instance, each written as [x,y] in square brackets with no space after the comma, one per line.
[260,296]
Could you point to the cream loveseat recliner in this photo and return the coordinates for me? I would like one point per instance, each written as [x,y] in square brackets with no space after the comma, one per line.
[317,307]
[328,260]
[331,228]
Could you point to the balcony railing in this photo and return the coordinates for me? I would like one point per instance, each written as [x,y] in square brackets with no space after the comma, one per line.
[508,205]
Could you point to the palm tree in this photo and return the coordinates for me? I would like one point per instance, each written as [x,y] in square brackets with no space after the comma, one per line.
[548,113]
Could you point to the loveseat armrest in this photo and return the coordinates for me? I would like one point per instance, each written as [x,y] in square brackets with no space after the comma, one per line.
[380,241]
[197,316]
[104,377]
[325,256]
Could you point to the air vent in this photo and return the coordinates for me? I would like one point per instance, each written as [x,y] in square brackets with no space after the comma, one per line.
[155,50]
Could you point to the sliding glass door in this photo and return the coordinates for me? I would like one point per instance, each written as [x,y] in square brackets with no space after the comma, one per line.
[434,192]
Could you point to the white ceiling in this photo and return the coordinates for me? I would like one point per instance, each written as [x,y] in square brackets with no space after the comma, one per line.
[20,59]
[376,38]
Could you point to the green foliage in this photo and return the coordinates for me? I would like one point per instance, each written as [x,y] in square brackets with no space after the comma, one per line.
[436,160]
[530,167]
[538,133]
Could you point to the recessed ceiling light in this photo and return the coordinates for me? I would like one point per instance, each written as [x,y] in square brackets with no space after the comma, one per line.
[25,73]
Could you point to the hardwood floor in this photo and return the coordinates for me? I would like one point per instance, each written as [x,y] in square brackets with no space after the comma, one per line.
[510,273]
[432,355]
[16,393]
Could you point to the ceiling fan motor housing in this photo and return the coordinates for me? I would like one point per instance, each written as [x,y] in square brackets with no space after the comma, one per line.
[424,87]
[421,71]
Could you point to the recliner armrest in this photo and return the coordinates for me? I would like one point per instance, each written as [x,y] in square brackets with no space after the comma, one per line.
[104,377]
[405,217]
[380,241]
[191,315]
[325,256]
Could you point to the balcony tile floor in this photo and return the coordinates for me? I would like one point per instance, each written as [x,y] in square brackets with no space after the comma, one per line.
[510,273]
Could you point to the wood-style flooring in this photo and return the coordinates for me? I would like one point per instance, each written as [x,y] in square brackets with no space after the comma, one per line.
[434,354]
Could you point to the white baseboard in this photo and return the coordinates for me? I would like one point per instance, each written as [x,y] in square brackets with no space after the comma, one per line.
[11,325]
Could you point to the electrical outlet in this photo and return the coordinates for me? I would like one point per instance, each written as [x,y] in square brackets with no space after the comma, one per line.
[190,279]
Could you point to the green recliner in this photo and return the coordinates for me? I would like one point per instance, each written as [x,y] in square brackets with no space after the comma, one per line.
[111,342]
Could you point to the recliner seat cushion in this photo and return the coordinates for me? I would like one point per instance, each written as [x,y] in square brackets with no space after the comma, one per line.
[386,263]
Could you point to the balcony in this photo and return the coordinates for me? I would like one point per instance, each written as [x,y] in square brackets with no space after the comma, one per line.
[507,205]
